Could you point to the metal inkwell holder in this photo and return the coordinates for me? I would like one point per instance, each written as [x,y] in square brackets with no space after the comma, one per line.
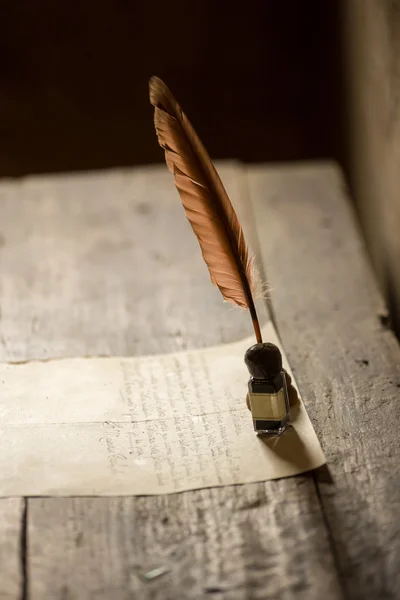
[270,390]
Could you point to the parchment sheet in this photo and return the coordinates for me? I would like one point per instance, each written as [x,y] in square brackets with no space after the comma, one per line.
[142,425]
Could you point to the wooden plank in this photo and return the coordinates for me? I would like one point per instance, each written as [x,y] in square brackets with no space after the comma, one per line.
[347,364]
[106,263]
[12,510]
[371,47]
[248,541]
[12,557]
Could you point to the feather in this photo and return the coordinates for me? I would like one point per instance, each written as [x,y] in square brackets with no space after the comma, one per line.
[205,201]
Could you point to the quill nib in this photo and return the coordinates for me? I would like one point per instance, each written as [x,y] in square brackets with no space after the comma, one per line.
[206,203]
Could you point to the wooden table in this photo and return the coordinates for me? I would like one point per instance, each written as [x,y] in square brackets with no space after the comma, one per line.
[105,263]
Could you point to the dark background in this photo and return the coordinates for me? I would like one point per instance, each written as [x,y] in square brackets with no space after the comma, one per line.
[260,80]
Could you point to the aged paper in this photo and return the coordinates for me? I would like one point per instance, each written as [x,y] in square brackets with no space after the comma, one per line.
[144,425]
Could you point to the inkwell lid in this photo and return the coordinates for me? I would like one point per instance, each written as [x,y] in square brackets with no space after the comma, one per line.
[263,360]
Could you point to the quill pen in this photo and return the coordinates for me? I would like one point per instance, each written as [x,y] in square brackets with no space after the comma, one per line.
[206,203]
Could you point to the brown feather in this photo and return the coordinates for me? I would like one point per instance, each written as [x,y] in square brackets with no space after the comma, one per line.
[205,201]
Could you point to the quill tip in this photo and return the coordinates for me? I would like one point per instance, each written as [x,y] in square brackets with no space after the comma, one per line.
[157,90]
[154,80]
[155,85]
[160,95]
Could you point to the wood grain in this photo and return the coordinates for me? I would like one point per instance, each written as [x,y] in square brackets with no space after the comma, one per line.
[253,541]
[11,547]
[105,263]
[347,364]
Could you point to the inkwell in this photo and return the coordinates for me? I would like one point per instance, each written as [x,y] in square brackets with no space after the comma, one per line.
[270,391]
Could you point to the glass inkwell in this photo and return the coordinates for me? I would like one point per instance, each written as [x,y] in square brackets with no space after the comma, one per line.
[268,395]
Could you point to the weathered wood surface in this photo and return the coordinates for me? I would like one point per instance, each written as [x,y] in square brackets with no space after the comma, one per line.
[371,50]
[105,263]
[11,547]
[346,362]
[253,541]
